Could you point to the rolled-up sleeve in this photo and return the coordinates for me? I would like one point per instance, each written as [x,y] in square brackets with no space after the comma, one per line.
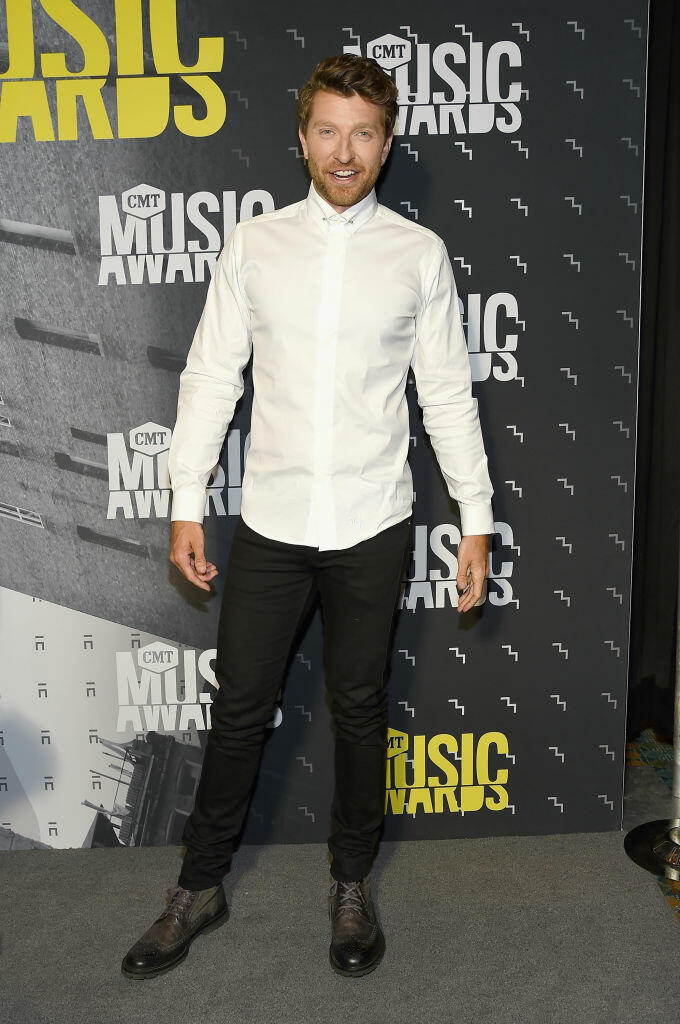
[210,385]
[444,387]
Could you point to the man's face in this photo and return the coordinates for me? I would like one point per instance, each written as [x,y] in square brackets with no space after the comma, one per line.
[344,134]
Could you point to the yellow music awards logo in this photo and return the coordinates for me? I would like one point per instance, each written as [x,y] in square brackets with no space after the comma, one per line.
[45,90]
[445,773]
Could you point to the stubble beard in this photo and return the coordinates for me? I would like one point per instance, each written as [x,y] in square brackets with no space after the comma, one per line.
[339,195]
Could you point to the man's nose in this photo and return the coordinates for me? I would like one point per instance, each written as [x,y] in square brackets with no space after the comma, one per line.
[343,150]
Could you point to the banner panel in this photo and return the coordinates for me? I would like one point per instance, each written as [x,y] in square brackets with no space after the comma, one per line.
[133,139]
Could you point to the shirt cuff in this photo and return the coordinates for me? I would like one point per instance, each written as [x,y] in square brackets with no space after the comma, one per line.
[476,519]
[188,506]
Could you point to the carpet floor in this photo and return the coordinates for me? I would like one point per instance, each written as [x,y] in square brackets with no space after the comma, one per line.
[562,929]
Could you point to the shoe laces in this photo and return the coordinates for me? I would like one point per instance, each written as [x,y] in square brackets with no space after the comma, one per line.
[350,897]
[179,901]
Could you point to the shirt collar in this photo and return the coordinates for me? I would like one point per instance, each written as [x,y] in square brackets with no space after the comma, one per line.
[353,217]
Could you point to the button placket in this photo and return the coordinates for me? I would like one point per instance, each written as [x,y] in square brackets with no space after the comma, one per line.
[321,526]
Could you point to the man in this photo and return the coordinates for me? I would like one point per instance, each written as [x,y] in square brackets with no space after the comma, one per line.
[335,297]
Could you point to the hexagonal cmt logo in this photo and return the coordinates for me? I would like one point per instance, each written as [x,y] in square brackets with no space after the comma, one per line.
[150,438]
[389,51]
[157,657]
[397,742]
[143,201]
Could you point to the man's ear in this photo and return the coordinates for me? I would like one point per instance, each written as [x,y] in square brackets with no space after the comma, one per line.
[303,143]
[386,149]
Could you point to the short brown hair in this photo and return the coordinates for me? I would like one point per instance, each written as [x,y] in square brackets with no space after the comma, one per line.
[347,74]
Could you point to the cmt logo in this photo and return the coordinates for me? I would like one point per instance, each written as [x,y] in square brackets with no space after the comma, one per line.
[159,689]
[389,51]
[117,66]
[139,471]
[158,658]
[139,483]
[151,439]
[445,773]
[143,201]
[481,95]
[149,237]
[434,566]
[151,694]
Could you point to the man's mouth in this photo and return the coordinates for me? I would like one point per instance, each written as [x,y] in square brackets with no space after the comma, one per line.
[343,175]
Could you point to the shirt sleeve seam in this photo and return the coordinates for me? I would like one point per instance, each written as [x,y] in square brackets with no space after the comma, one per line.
[429,281]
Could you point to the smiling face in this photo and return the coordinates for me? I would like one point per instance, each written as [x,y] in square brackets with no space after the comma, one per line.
[345,147]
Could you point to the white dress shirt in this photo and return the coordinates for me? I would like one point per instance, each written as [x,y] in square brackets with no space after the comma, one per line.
[335,309]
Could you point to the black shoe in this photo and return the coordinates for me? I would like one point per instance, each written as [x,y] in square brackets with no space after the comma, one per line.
[357,944]
[168,939]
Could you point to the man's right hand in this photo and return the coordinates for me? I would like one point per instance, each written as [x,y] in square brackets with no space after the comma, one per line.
[187,552]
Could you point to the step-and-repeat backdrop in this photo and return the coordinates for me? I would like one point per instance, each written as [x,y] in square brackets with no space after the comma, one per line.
[134,135]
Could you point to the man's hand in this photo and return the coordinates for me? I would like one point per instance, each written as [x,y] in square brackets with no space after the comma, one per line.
[187,544]
[473,568]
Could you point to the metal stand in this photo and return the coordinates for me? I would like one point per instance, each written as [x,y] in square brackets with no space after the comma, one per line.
[655,846]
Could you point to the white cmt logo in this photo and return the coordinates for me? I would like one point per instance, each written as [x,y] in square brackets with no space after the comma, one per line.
[150,439]
[450,88]
[148,237]
[139,483]
[153,696]
[143,201]
[158,657]
[389,51]
[140,472]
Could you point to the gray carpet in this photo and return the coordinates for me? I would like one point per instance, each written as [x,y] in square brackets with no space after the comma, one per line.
[547,929]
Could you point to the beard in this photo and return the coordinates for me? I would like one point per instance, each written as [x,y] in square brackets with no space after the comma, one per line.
[338,194]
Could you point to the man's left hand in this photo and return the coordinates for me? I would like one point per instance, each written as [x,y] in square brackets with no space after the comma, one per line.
[473,568]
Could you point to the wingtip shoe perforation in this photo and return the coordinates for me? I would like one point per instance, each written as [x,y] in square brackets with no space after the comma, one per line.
[167,941]
[357,942]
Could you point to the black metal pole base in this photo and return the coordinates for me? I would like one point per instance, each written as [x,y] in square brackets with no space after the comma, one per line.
[652,848]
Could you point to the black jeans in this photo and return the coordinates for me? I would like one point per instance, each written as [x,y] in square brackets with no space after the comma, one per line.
[267,586]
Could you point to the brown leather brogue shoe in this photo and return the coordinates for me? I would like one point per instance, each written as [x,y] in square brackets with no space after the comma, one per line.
[168,939]
[357,943]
